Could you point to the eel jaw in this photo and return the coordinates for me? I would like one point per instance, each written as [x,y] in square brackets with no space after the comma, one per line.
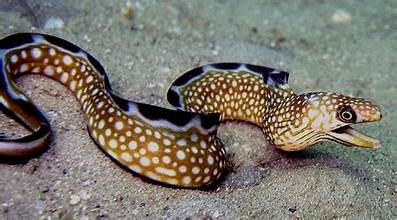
[348,136]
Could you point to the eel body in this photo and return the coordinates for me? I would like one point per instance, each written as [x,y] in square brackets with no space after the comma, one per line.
[172,147]
[262,96]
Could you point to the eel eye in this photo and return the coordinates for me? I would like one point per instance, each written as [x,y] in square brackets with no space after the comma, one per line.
[346,114]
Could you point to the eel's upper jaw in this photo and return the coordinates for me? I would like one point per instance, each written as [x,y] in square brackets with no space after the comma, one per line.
[346,135]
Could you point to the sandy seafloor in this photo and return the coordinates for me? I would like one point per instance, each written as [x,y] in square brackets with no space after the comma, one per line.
[347,47]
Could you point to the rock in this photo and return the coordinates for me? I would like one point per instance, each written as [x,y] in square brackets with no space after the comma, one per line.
[74,199]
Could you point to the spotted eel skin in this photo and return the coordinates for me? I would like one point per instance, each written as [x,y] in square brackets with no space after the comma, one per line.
[178,148]
[262,96]
[168,146]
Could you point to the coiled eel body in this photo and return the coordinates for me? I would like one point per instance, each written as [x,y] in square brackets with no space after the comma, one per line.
[173,147]
[262,96]
[178,148]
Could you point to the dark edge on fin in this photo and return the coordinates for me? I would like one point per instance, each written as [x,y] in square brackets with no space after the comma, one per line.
[277,79]
[270,76]
[61,43]
[40,133]
[33,110]
[226,66]
[22,155]
[259,69]
[174,98]
[184,78]
[211,119]
[16,40]
[179,118]
[152,112]
[122,103]
[283,77]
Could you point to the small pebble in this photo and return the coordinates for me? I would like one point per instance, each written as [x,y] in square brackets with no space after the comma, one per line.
[32,166]
[292,209]
[130,65]
[54,23]
[161,85]
[216,214]
[86,38]
[86,183]
[74,199]
[341,16]
[85,195]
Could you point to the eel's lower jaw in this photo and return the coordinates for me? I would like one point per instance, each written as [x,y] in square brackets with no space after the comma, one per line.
[348,136]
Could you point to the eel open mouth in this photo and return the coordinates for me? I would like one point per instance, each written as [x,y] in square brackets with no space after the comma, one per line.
[348,136]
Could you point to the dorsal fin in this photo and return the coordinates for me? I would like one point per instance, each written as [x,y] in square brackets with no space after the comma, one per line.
[276,78]
[270,76]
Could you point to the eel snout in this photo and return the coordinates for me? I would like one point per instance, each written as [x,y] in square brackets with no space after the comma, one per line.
[351,137]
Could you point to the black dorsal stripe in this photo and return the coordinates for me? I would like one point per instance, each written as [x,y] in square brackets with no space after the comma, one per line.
[61,43]
[152,112]
[276,79]
[179,118]
[16,40]
[96,64]
[226,66]
[44,129]
[264,71]
[210,120]
[259,69]
[188,76]
[28,107]
[173,98]
[122,103]
[3,82]
[12,115]
[280,78]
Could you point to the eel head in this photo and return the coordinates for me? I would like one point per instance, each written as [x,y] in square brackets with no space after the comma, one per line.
[304,120]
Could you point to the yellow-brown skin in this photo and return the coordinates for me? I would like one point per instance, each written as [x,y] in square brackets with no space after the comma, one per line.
[303,120]
[290,122]
[173,150]
[179,156]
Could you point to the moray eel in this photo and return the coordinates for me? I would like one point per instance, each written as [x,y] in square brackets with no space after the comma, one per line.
[177,148]
[168,146]
[262,96]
